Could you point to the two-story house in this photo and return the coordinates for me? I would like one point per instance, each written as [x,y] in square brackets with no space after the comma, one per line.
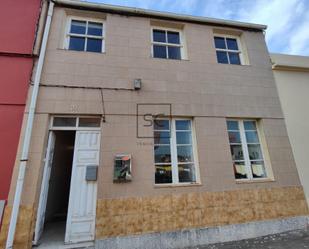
[152,130]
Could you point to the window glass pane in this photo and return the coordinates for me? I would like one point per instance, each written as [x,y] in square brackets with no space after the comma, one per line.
[234,58]
[61,121]
[163,174]
[78,27]
[186,173]
[159,51]
[252,137]
[240,170]
[183,137]
[255,151]
[183,125]
[161,137]
[258,169]
[174,53]
[250,125]
[219,42]
[77,43]
[231,43]
[234,137]
[161,124]
[232,125]
[94,45]
[173,37]
[159,35]
[222,57]
[95,28]
[162,154]
[237,153]
[184,153]
[89,122]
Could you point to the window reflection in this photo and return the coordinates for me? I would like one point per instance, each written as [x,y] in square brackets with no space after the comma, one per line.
[227,50]
[173,151]
[163,174]
[166,44]
[85,36]
[240,170]
[186,173]
[246,150]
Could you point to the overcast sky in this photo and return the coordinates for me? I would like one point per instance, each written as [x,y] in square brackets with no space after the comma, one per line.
[287,20]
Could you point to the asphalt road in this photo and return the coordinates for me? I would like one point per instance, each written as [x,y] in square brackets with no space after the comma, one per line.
[297,239]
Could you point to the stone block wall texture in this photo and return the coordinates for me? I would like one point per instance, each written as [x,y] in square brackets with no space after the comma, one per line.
[24,228]
[130,216]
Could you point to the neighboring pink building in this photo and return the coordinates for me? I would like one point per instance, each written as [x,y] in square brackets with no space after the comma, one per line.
[18,25]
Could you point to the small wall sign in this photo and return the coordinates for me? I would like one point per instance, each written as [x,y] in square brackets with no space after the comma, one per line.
[122,168]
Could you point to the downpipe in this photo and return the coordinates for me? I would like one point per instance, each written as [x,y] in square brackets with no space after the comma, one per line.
[28,132]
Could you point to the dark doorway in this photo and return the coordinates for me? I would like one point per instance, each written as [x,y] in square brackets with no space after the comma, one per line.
[59,184]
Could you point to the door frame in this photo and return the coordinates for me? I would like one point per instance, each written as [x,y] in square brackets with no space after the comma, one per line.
[41,211]
[51,129]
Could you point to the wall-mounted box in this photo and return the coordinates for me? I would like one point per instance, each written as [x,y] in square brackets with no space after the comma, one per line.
[123,168]
[91,173]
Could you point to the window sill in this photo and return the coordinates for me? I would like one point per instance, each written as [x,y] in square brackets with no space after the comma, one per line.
[75,51]
[264,180]
[237,65]
[171,185]
[167,59]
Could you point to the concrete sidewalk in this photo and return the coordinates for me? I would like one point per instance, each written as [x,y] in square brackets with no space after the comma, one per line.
[296,239]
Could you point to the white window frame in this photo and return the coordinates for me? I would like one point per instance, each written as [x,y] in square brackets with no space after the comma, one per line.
[183,55]
[87,20]
[75,127]
[174,161]
[244,146]
[239,51]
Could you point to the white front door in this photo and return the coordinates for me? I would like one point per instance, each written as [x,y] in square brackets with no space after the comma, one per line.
[39,225]
[83,194]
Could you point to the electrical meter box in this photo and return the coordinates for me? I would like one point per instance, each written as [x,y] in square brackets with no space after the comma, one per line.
[91,173]
[123,168]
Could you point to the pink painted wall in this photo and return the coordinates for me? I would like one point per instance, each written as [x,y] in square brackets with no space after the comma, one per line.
[18,20]
[10,124]
[15,73]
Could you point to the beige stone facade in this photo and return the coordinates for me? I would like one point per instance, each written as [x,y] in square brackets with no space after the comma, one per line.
[197,88]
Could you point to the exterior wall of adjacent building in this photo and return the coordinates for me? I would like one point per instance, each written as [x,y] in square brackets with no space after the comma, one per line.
[197,87]
[18,23]
[292,79]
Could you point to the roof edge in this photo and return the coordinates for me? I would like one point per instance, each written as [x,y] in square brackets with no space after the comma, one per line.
[289,67]
[159,14]
[290,62]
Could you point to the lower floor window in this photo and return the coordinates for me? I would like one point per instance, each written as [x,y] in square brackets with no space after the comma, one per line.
[248,160]
[174,151]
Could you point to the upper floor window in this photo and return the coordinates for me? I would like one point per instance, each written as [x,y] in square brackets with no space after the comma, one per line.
[175,160]
[85,35]
[246,149]
[167,44]
[228,50]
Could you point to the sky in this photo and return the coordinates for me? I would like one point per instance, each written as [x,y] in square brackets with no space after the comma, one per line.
[287,20]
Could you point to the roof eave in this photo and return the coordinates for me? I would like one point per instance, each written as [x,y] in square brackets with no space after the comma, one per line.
[289,67]
[158,14]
